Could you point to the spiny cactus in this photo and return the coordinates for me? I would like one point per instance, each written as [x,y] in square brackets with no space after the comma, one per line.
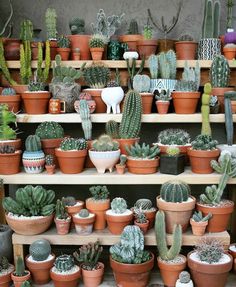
[97,41]
[4,264]
[211,21]
[220,72]
[73,144]
[64,263]
[99,192]
[186,37]
[8,92]
[26,30]
[147,32]
[123,159]
[173,137]
[49,160]
[6,118]
[118,205]
[191,74]
[112,129]
[26,284]
[167,65]
[198,217]
[205,110]
[141,83]
[31,201]
[61,210]
[7,149]
[25,62]
[33,143]
[63,42]
[96,76]
[133,71]
[204,142]
[175,191]
[84,213]
[43,72]
[20,267]
[51,23]
[77,26]
[164,96]
[140,216]
[36,86]
[143,151]
[173,151]
[69,201]
[40,249]
[160,231]
[153,65]
[50,130]
[105,143]
[184,277]
[133,27]
[143,204]
[85,119]
[186,86]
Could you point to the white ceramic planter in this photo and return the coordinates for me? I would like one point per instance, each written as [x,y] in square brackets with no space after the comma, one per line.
[104,160]
[112,97]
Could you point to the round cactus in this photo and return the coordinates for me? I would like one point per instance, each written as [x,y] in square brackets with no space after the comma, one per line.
[144,204]
[184,277]
[173,151]
[69,201]
[40,250]
[73,144]
[84,213]
[97,41]
[175,191]
[118,205]
[8,92]
[64,263]
[33,143]
[49,130]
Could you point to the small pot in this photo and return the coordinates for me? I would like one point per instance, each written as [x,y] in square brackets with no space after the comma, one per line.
[5,279]
[131,40]
[53,49]
[96,96]
[229,52]
[126,142]
[81,42]
[185,102]
[13,102]
[147,99]
[64,53]
[146,48]
[50,169]
[150,215]
[36,103]
[10,162]
[33,162]
[198,228]
[72,210]
[186,50]
[219,92]
[49,146]
[84,226]
[62,225]
[172,164]
[93,278]
[142,166]
[162,107]
[96,53]
[142,226]
[120,169]
[68,280]
[18,280]
[116,223]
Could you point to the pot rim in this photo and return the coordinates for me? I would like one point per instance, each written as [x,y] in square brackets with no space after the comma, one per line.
[217,209]
[169,265]
[203,153]
[175,206]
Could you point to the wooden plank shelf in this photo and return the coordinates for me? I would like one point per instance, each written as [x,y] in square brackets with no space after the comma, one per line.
[90,176]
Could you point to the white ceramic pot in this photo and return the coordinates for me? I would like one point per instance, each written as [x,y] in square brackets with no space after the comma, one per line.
[104,160]
[179,284]
[112,97]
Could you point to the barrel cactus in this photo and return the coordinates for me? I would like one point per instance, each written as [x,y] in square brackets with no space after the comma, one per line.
[73,144]
[8,92]
[40,250]
[105,143]
[143,204]
[96,76]
[33,143]
[69,201]
[84,213]
[64,263]
[184,277]
[85,119]
[97,41]
[50,130]
[220,72]
[112,129]
[175,191]
[118,205]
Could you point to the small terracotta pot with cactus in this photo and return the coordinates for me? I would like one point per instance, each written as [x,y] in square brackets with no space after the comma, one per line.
[5,273]
[20,275]
[62,218]
[199,223]
[163,101]
[96,45]
[63,47]
[120,167]
[145,205]
[49,164]
[141,220]
[10,159]
[84,221]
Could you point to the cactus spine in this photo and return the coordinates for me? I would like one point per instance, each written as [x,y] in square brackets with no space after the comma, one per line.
[175,191]
[205,110]
[219,72]
[85,118]
[33,143]
[153,65]
[40,249]
[64,263]
[112,129]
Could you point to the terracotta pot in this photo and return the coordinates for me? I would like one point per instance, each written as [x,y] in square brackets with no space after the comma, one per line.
[200,160]
[68,280]
[219,92]
[132,275]
[20,89]
[186,50]
[176,213]
[150,215]
[93,278]
[96,53]
[5,279]
[170,271]
[142,226]
[63,226]
[40,271]
[232,252]
[126,142]
[30,226]
[233,107]
[229,52]
[220,216]
[15,143]
[36,103]
[165,45]
[146,48]
[50,169]
[71,162]
[88,162]
[120,169]
[18,280]
[75,56]
[96,95]
[81,42]
[98,207]
[11,49]
[10,162]
[206,275]
[185,102]
[53,49]
[64,53]
[116,223]
[13,102]
[198,228]
[49,146]
[162,107]
[34,50]
[84,226]
[142,166]
[147,99]
[131,41]
[72,210]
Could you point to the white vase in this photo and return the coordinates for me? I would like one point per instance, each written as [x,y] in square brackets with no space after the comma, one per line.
[189,284]
[104,160]
[112,97]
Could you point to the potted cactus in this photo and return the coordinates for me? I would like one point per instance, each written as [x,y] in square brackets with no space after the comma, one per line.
[65,272]
[177,203]
[184,280]
[20,275]
[10,160]
[5,272]
[141,220]
[33,157]
[131,264]
[98,204]
[145,205]
[172,162]
[104,153]
[39,261]
[50,164]
[92,269]
[72,205]
[63,47]
[25,220]
[84,221]
[229,51]
[203,150]
[211,201]
[71,155]
[186,48]
[163,101]
[147,45]
[120,167]
[96,45]
[169,261]
[209,264]
[8,96]
[62,218]
[199,223]
[118,216]
[142,159]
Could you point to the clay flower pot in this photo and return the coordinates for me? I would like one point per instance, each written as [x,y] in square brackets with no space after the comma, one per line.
[162,107]
[232,252]
[146,48]
[13,102]
[10,162]
[64,53]
[36,103]
[205,275]
[98,207]
[176,213]
[71,162]
[40,270]
[185,102]
[220,215]
[120,169]
[150,215]
[186,50]
[142,166]
[11,49]
[50,169]
[18,280]
[81,42]
[131,40]
[72,210]
[170,270]
[198,228]
[63,279]
[126,142]
[219,92]
[96,96]
[142,226]
[200,160]
[20,89]
[62,225]
[96,53]
[53,49]
[117,222]
[104,160]
[17,143]
[229,52]
[84,225]
[29,226]
[93,278]
[132,275]
[49,146]
[5,278]
[147,99]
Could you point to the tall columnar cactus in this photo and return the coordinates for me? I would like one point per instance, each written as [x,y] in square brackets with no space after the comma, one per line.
[219,72]
[6,118]
[167,65]
[205,109]
[42,73]
[211,21]
[26,30]
[20,267]
[133,27]
[131,118]
[132,70]
[143,204]
[229,124]
[64,263]
[171,58]
[50,130]
[73,144]
[153,65]
[25,62]
[112,129]
[141,83]
[51,23]
[175,191]
[119,205]
[85,119]
[33,143]
[160,231]
[40,249]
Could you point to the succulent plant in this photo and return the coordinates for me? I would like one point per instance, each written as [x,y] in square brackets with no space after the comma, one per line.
[153,65]
[132,69]
[186,86]
[112,129]
[99,192]
[97,41]
[164,96]
[143,151]
[204,142]
[33,143]
[69,201]
[85,119]
[184,277]
[172,151]
[175,191]
[40,249]
[49,160]
[219,72]
[26,30]
[173,137]
[141,83]
[191,74]
[8,92]
[64,263]
[4,264]
[60,210]
[77,26]
[147,32]
[84,213]
[143,204]
[73,144]
[51,23]
[167,65]
[36,86]
[211,20]
[96,76]
[50,130]
[63,42]
[105,143]
[20,267]
[118,205]
[186,37]
[123,159]
[205,110]
[6,119]
[140,216]
[7,149]
[133,27]
[198,217]
[213,101]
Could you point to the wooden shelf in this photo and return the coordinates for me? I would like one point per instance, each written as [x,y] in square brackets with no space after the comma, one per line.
[90,176]
[103,118]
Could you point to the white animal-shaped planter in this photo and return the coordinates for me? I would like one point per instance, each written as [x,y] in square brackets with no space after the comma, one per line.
[112,97]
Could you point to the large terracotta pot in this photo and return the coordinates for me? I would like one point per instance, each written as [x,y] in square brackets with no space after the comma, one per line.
[219,92]
[176,213]
[131,40]
[30,226]
[126,142]
[116,223]
[68,280]
[10,162]
[132,275]
[147,99]
[198,228]
[162,107]
[71,162]
[5,279]
[62,225]
[96,95]
[13,102]
[36,103]
[200,160]
[146,48]
[49,146]
[64,53]
[18,280]
[11,49]
[98,207]
[84,225]
[170,271]
[81,42]
[206,275]
[93,278]
[220,215]
[142,166]
[17,143]
[185,102]
[40,271]
[186,50]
